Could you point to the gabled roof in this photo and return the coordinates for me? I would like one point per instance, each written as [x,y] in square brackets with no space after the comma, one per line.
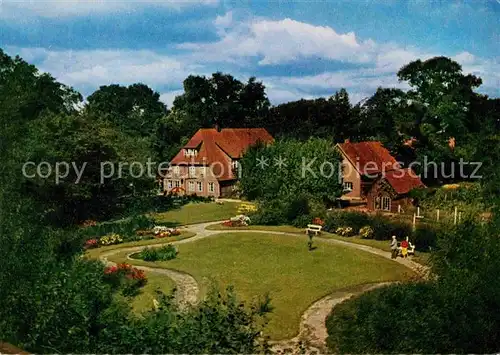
[403,181]
[218,148]
[369,158]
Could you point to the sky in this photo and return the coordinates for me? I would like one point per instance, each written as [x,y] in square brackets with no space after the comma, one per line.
[298,49]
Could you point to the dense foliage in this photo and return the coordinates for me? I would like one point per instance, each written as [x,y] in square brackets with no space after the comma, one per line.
[293,180]
[381,227]
[167,252]
[54,301]
[453,313]
[51,299]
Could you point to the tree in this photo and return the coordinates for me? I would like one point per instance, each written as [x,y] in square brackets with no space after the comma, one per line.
[291,168]
[25,94]
[86,149]
[333,118]
[135,109]
[442,95]
[222,100]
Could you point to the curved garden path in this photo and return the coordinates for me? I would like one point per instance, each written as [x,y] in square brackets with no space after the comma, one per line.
[312,330]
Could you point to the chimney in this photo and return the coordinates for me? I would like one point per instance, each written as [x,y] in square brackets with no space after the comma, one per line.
[347,140]
[217,127]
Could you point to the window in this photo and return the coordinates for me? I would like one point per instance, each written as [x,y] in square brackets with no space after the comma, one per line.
[348,186]
[177,183]
[192,170]
[200,186]
[386,203]
[190,152]
[191,186]
[211,187]
[177,170]
[169,184]
[203,171]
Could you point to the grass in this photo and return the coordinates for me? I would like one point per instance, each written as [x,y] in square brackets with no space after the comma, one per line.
[384,245]
[256,264]
[198,213]
[144,301]
[95,253]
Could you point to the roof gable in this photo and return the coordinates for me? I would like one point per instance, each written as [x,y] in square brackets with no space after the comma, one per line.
[218,148]
[369,158]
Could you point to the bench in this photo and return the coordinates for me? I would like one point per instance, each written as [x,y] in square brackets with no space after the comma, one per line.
[313,228]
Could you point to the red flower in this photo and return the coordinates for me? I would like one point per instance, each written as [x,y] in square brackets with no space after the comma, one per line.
[91,243]
[318,221]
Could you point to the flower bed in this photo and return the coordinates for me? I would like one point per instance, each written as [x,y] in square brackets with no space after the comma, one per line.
[91,243]
[111,239]
[238,221]
[345,231]
[125,277]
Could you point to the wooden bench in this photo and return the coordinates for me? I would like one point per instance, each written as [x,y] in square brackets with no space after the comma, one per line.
[313,228]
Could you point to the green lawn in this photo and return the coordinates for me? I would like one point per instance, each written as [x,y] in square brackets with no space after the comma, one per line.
[256,264]
[198,213]
[384,245]
[144,301]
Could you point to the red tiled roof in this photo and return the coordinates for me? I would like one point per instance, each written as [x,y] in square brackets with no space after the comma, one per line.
[218,148]
[368,157]
[403,180]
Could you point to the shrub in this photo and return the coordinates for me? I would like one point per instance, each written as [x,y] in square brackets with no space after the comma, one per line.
[125,277]
[455,312]
[164,253]
[302,221]
[345,231]
[111,239]
[270,213]
[91,243]
[425,237]
[355,220]
[384,228]
[366,232]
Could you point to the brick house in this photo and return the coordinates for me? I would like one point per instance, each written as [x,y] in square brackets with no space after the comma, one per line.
[372,176]
[208,164]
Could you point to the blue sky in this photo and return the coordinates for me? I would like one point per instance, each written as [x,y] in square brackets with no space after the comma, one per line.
[299,49]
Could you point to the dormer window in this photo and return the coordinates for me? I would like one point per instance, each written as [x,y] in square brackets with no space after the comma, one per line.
[188,152]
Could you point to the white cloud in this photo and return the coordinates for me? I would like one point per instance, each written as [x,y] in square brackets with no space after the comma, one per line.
[92,68]
[56,8]
[282,41]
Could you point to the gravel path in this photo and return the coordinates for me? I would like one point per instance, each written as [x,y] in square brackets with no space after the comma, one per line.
[312,332]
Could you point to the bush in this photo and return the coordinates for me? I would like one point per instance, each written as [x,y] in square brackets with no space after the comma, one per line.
[366,232]
[455,312]
[125,277]
[125,228]
[425,237]
[302,221]
[296,208]
[270,213]
[111,239]
[355,220]
[345,231]
[164,253]
[382,227]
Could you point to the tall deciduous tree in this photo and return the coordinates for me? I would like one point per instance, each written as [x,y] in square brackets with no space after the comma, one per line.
[134,109]
[223,100]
